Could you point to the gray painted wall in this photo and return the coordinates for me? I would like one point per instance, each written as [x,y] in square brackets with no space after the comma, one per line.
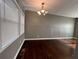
[10,52]
[49,26]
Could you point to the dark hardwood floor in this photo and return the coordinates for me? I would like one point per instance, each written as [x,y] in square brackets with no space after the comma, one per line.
[46,49]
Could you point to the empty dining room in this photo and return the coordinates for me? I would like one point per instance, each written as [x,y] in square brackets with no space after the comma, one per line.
[38,29]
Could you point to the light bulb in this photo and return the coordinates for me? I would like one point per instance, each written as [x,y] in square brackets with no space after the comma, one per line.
[42,11]
[39,12]
[46,12]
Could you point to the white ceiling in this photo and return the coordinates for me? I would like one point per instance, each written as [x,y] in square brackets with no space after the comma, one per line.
[68,8]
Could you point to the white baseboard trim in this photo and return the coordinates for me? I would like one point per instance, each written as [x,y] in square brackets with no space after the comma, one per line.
[51,38]
[18,50]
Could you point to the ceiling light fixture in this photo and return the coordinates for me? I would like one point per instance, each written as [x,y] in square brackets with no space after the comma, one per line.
[42,11]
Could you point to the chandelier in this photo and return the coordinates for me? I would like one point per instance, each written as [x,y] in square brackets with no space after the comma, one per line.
[42,11]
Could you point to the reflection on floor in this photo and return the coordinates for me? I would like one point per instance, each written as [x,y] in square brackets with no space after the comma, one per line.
[47,49]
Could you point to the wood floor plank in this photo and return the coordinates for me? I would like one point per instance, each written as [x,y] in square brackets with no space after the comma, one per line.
[45,49]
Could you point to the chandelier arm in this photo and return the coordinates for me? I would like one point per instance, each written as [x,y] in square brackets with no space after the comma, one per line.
[42,11]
